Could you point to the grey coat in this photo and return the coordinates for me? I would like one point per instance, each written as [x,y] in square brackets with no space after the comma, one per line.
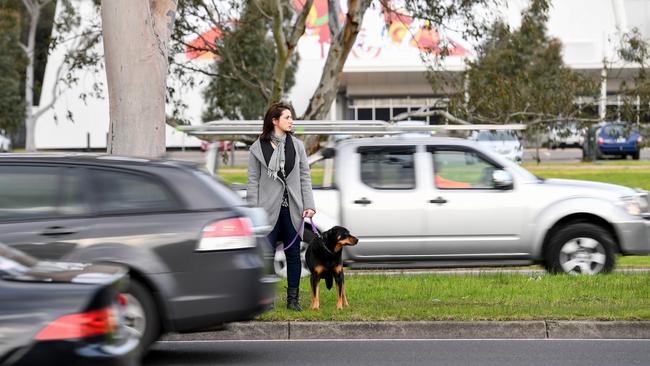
[263,191]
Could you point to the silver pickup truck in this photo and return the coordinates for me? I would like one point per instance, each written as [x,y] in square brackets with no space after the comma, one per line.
[432,202]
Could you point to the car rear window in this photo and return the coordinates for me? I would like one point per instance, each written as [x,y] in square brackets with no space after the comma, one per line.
[226,195]
[119,191]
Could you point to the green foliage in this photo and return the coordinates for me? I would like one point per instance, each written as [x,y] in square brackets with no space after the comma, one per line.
[240,78]
[14,31]
[519,77]
[626,173]
[635,49]
[12,62]
[486,296]
[245,53]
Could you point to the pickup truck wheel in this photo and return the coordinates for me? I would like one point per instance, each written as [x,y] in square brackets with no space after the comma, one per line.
[581,248]
[141,315]
[280,261]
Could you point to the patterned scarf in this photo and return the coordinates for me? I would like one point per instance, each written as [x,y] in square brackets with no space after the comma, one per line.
[276,163]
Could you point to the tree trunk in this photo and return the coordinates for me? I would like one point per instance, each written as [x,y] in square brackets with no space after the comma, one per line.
[285,46]
[136,36]
[30,119]
[319,104]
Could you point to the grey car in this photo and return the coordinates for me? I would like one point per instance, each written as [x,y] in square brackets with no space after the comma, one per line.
[195,251]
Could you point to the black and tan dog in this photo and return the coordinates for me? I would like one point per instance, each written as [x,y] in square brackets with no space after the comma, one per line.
[324,259]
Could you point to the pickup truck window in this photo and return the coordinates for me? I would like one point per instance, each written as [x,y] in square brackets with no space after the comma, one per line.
[458,169]
[388,167]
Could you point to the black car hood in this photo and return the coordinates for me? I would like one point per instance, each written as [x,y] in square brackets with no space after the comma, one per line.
[62,272]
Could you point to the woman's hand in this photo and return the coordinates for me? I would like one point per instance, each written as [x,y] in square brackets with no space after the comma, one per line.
[308,213]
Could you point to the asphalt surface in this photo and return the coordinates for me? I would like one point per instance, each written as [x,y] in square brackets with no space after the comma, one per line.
[396,352]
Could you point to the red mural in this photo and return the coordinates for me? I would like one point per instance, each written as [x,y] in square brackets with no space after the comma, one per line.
[200,46]
[399,29]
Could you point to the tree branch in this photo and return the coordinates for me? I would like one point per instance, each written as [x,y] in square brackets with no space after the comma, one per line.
[333,17]
[338,52]
[29,5]
[261,10]
[278,33]
[199,70]
[425,112]
[299,27]
[24,48]
[256,81]
[55,96]
[42,4]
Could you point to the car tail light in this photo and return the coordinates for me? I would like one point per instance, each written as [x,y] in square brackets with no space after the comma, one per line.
[601,141]
[234,233]
[72,326]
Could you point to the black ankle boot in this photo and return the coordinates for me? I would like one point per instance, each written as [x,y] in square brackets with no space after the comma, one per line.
[292,299]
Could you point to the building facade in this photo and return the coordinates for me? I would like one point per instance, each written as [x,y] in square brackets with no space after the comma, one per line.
[385,74]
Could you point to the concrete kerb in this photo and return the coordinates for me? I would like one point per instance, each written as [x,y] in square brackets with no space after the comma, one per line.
[540,329]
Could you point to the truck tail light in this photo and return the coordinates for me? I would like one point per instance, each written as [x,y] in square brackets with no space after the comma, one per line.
[81,325]
[233,233]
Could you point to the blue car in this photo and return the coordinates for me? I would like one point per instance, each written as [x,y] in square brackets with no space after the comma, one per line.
[619,139]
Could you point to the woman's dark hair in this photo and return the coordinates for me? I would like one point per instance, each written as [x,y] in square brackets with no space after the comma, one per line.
[274,112]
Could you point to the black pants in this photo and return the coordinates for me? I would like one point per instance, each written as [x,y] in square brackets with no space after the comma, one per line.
[285,232]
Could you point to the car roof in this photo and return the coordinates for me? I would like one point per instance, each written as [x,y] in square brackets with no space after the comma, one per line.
[91,159]
[407,140]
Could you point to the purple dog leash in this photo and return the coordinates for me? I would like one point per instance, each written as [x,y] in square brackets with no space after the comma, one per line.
[302,224]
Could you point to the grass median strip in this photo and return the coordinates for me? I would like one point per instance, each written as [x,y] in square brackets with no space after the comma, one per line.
[493,296]
[635,176]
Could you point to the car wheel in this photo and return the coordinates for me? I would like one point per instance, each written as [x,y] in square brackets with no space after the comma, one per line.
[280,261]
[581,248]
[141,315]
[636,155]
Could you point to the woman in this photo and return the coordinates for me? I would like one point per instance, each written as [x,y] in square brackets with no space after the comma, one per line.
[279,181]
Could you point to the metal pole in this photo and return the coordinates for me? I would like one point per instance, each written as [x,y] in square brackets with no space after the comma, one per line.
[232,153]
[328,165]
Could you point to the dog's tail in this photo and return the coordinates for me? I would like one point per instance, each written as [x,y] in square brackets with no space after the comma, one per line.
[329,280]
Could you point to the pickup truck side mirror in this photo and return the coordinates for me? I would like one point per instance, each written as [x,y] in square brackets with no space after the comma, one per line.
[502,179]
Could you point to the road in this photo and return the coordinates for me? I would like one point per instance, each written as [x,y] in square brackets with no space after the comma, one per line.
[405,352]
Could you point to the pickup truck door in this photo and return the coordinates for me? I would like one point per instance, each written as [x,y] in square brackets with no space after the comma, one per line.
[465,214]
[382,204]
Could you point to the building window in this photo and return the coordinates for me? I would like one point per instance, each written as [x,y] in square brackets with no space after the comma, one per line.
[398,110]
[364,114]
[382,114]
